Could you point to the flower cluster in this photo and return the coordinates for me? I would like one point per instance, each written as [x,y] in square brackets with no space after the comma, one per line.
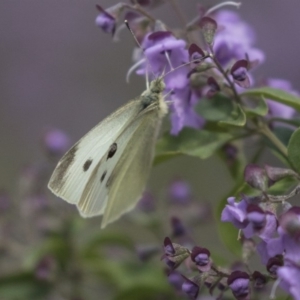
[229,55]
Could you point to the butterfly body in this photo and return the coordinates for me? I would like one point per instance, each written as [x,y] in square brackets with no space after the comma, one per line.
[106,171]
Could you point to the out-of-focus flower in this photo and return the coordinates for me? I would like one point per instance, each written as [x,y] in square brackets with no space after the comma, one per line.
[146,204]
[277,109]
[274,263]
[236,213]
[180,191]
[201,257]
[105,20]
[190,288]
[178,228]
[46,268]
[183,114]
[289,275]
[238,282]
[260,280]
[56,142]
[175,279]
[235,39]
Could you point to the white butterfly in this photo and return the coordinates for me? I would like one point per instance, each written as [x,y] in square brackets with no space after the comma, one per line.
[105,172]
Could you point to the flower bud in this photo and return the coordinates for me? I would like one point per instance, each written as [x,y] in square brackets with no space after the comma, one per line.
[213,87]
[238,282]
[260,280]
[175,254]
[256,177]
[201,256]
[208,27]
[274,263]
[106,19]
[239,72]
[276,174]
[190,288]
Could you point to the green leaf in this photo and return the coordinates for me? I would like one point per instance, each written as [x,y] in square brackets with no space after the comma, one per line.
[216,108]
[282,186]
[199,143]
[237,117]
[227,232]
[276,95]
[294,150]
[261,108]
[22,286]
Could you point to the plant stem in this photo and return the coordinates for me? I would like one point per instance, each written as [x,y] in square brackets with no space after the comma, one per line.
[265,130]
[224,73]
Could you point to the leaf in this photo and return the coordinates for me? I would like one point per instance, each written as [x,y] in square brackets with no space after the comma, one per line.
[216,108]
[237,117]
[23,286]
[276,95]
[294,150]
[199,143]
[282,186]
[294,122]
[227,232]
[261,108]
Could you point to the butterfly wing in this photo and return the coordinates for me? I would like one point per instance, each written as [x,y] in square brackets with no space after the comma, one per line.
[81,163]
[127,180]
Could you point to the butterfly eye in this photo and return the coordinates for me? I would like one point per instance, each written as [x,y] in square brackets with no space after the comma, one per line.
[87,164]
[112,150]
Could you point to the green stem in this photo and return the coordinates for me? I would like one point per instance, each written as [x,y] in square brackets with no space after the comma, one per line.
[265,130]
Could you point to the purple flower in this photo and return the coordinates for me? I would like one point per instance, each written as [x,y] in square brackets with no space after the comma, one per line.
[56,142]
[239,73]
[262,223]
[180,191]
[175,279]
[183,114]
[146,204]
[277,109]
[178,228]
[190,288]
[260,280]
[201,257]
[274,263]
[236,213]
[289,276]
[238,282]
[235,40]
[105,21]
[163,52]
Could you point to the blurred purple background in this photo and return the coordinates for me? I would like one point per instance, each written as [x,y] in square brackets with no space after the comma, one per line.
[59,70]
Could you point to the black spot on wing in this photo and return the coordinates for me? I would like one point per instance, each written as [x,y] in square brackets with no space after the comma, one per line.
[87,164]
[103,176]
[112,150]
[62,168]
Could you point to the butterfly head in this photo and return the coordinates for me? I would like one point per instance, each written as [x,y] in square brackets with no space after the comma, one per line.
[157,86]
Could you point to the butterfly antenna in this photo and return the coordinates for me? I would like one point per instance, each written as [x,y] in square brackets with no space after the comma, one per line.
[186,64]
[131,31]
[144,60]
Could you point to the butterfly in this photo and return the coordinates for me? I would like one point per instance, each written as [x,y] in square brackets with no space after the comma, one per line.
[106,171]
